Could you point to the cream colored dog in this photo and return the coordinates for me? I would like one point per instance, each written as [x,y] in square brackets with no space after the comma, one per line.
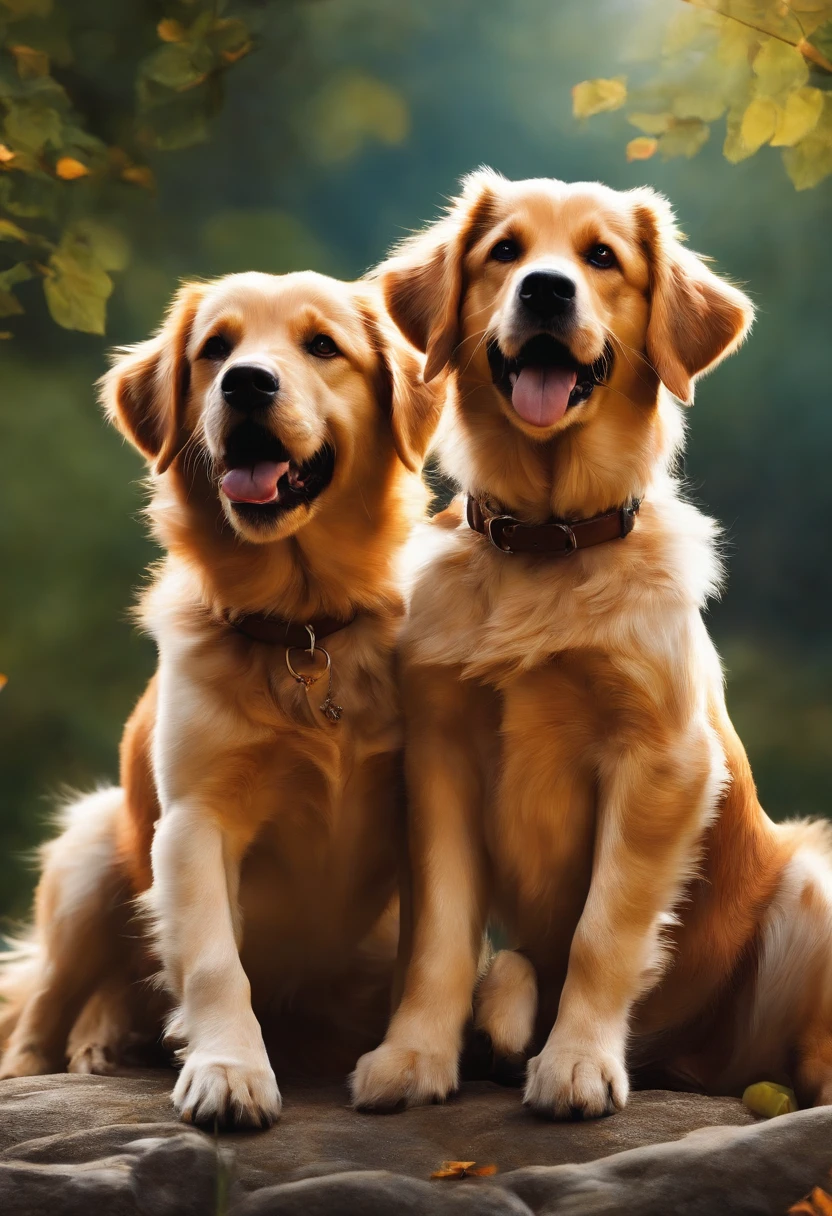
[572,768]
[284,421]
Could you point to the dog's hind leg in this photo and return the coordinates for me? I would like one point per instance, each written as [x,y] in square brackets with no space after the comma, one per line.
[80,915]
[505,1003]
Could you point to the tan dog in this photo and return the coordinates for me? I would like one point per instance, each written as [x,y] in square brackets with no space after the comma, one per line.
[284,420]
[572,767]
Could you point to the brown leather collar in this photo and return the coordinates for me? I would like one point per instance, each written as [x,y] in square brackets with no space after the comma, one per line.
[558,537]
[276,632]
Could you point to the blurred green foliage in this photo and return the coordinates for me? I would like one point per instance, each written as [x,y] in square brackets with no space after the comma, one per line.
[344,128]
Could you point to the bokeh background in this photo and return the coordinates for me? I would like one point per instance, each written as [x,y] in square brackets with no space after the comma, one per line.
[343,128]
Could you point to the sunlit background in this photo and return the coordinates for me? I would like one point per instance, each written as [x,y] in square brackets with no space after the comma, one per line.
[344,127]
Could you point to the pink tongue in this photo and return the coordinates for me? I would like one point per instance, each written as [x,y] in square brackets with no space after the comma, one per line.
[541,394]
[258,484]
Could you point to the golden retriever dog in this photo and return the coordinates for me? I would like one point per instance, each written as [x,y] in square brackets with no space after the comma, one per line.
[572,769]
[284,420]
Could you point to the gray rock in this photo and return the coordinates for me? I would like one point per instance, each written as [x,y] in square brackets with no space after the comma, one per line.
[73,1145]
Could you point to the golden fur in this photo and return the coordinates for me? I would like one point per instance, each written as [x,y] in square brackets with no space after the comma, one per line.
[276,852]
[572,768]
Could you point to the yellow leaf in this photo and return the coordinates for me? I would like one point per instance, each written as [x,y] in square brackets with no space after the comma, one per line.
[798,117]
[758,123]
[5,334]
[4,679]
[29,62]
[650,124]
[6,155]
[170,30]
[139,175]
[596,96]
[779,68]
[68,168]
[769,1099]
[736,43]
[810,161]
[708,106]
[641,148]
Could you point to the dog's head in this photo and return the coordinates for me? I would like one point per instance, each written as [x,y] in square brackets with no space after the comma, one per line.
[558,296]
[287,391]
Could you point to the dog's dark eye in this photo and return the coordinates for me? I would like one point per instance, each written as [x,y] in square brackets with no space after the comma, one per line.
[323,347]
[601,256]
[217,349]
[506,251]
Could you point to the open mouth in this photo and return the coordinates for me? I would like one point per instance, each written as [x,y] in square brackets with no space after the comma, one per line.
[545,379]
[262,481]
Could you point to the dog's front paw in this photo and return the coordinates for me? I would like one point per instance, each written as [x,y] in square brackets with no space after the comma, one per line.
[26,1061]
[393,1076]
[582,1082]
[227,1091]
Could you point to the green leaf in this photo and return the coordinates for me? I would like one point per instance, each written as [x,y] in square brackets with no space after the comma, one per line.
[29,195]
[779,69]
[77,287]
[10,306]
[684,139]
[12,232]
[109,247]
[31,126]
[179,65]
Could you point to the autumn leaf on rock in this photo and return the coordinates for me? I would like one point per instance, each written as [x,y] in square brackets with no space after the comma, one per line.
[464,1169]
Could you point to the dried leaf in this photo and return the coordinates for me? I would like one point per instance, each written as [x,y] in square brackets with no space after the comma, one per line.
[464,1169]
[597,96]
[68,169]
[30,63]
[642,148]
[817,1203]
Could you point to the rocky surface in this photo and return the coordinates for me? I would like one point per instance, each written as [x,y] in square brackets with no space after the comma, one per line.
[76,1144]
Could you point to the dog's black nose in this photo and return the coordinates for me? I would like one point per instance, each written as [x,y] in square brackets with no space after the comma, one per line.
[547,294]
[248,387]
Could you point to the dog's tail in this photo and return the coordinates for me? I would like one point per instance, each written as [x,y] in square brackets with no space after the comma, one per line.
[505,1005]
[79,871]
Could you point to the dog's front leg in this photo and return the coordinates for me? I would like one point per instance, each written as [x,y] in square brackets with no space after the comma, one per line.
[418,1061]
[226,1075]
[653,805]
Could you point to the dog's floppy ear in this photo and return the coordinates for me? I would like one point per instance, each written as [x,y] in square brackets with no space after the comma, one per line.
[696,318]
[412,406]
[144,393]
[423,279]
